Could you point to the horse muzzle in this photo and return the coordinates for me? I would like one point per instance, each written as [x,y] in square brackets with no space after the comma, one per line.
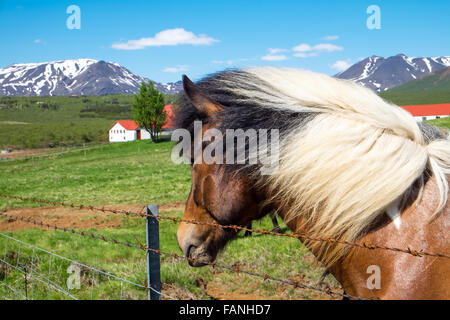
[198,256]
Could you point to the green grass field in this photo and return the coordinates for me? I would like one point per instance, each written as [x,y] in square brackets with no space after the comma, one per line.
[416,97]
[39,122]
[36,122]
[140,173]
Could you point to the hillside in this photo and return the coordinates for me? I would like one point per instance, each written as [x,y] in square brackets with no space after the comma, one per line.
[429,89]
[435,81]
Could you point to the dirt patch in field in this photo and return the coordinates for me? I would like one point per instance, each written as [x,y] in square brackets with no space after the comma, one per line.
[74,218]
[13,122]
[176,292]
[219,291]
[16,154]
[62,217]
[223,291]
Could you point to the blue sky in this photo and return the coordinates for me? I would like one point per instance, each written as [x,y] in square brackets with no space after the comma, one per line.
[162,40]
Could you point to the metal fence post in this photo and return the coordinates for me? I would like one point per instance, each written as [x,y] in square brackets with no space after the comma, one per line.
[153,258]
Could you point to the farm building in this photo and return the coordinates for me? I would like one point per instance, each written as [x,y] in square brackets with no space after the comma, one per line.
[429,111]
[128,130]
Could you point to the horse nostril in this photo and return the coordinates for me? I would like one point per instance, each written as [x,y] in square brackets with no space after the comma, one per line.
[188,251]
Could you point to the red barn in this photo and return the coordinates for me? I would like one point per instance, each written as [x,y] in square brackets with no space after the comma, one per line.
[429,111]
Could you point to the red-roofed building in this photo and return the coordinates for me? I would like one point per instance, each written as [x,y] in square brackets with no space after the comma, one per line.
[170,124]
[429,111]
[128,130]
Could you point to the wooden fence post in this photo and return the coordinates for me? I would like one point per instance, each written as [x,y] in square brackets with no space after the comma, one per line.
[153,258]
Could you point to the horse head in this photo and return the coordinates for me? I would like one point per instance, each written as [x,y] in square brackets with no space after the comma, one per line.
[217,196]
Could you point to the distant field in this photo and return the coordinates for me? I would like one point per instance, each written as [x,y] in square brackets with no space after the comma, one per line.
[131,173]
[416,97]
[140,173]
[41,122]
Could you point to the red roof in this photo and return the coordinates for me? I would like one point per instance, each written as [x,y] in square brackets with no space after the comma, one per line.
[169,119]
[131,125]
[128,124]
[428,109]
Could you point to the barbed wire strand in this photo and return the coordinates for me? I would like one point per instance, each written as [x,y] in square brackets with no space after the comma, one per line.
[37,276]
[299,236]
[178,256]
[92,269]
[82,233]
[237,269]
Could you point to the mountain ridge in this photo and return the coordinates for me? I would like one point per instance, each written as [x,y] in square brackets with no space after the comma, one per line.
[381,74]
[73,77]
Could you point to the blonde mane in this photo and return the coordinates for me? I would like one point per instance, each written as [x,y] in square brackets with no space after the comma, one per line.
[357,158]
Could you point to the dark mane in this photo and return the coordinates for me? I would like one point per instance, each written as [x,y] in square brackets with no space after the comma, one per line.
[239,111]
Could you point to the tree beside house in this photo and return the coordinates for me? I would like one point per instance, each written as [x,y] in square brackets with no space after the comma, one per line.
[148,110]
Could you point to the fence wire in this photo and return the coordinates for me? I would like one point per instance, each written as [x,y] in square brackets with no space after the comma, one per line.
[30,272]
[300,236]
[235,268]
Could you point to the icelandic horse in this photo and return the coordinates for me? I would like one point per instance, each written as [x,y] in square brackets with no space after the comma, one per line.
[348,166]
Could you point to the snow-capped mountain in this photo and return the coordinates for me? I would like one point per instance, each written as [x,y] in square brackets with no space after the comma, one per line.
[171,87]
[69,77]
[382,74]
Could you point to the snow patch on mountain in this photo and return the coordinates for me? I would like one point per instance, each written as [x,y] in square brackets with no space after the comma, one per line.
[381,74]
[72,77]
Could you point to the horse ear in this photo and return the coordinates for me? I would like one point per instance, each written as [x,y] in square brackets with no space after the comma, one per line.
[199,99]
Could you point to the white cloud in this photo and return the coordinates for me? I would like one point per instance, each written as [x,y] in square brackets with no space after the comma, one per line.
[176,69]
[169,37]
[305,50]
[329,47]
[304,47]
[274,57]
[37,41]
[330,38]
[341,65]
[305,54]
[276,50]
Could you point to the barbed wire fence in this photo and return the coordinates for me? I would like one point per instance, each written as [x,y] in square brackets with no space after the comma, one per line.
[153,252]
[28,271]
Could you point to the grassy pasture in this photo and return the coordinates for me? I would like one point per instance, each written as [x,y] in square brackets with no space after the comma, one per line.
[416,97]
[142,173]
[35,122]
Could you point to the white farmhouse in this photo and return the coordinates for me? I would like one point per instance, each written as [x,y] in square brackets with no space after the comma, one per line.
[127,130]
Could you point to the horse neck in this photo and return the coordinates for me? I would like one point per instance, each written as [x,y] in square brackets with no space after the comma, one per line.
[296,225]
[416,231]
